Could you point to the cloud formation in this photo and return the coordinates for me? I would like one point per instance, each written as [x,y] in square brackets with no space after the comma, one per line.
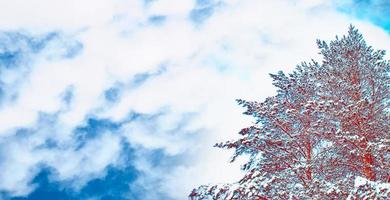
[135,93]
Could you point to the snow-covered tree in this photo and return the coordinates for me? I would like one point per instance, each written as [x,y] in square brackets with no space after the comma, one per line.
[325,135]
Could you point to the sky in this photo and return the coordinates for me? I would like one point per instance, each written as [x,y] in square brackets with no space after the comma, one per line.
[124,99]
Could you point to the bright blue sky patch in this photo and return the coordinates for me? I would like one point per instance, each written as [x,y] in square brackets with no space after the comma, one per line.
[12,41]
[140,78]
[157,19]
[112,94]
[160,159]
[95,125]
[199,15]
[73,49]
[46,190]
[9,59]
[203,10]
[113,186]
[148,2]
[375,11]
[68,95]
[93,128]
[38,43]
[15,47]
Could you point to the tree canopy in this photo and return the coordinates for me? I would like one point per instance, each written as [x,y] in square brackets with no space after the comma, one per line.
[324,135]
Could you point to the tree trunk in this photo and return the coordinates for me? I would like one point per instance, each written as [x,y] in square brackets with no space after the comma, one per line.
[308,168]
[368,161]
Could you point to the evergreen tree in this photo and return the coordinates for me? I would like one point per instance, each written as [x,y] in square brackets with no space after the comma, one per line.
[325,135]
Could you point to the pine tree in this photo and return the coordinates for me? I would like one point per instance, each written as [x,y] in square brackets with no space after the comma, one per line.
[325,135]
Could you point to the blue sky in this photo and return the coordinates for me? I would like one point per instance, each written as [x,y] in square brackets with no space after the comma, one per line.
[124,99]
[373,11]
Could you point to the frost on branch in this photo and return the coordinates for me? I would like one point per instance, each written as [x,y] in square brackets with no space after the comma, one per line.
[365,189]
[328,125]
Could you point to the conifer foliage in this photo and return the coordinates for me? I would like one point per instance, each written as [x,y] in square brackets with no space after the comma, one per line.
[325,135]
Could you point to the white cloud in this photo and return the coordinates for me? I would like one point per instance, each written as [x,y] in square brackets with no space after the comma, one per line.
[208,66]
[171,7]
[56,14]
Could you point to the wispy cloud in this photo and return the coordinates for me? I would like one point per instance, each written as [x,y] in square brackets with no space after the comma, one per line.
[125,99]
